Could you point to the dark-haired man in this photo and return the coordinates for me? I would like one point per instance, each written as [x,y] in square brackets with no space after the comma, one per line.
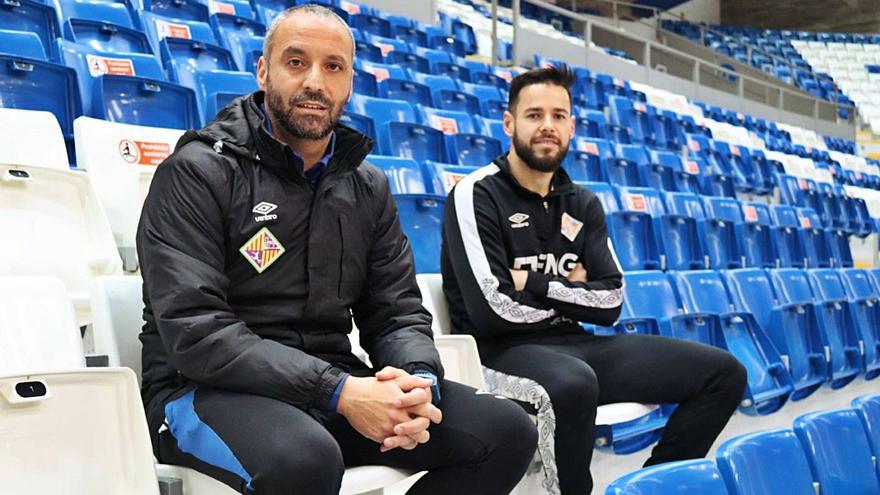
[526,257]
[261,236]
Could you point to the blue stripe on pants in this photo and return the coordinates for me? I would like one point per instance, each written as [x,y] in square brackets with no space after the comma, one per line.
[196,438]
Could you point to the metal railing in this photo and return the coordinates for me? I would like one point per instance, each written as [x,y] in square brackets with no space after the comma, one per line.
[650,53]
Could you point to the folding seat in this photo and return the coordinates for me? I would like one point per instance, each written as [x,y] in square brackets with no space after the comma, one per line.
[411,61]
[635,116]
[207,69]
[29,82]
[382,72]
[360,123]
[842,352]
[729,158]
[130,88]
[723,232]
[402,89]
[448,44]
[626,170]
[365,83]
[246,50]
[32,138]
[631,229]
[102,26]
[369,52]
[38,202]
[669,134]
[865,308]
[754,463]
[833,212]
[410,34]
[791,326]
[486,78]
[227,26]
[760,168]
[694,477]
[404,174]
[798,191]
[857,334]
[838,451]
[818,250]
[719,182]
[158,28]
[590,123]
[448,95]
[686,172]
[387,46]
[397,132]
[757,237]
[868,409]
[181,10]
[676,235]
[492,102]
[463,144]
[371,24]
[267,10]
[235,8]
[652,173]
[444,176]
[613,86]
[769,382]
[32,17]
[452,70]
[494,128]
[582,162]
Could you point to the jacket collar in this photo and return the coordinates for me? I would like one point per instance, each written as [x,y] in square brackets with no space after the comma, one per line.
[560,185]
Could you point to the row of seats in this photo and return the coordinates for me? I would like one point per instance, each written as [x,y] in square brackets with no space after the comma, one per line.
[829,452]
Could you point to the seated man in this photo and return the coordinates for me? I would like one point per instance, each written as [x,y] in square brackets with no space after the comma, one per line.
[261,236]
[526,257]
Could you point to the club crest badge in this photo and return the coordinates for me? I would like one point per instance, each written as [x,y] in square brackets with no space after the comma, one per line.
[571,227]
[262,250]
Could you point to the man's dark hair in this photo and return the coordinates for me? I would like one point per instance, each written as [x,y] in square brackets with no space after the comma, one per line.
[556,76]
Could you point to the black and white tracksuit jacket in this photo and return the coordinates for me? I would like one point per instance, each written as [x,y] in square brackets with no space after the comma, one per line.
[493,224]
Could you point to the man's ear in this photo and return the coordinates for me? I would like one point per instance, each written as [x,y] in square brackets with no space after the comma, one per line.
[262,72]
[508,123]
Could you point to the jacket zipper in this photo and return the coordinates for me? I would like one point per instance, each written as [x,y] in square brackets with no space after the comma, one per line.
[341,256]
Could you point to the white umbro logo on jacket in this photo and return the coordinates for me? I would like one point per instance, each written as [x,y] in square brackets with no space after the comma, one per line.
[518,220]
[263,209]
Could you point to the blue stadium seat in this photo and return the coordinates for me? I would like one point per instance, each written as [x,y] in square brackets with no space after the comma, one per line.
[365,83]
[448,44]
[360,123]
[694,477]
[791,326]
[624,169]
[421,213]
[229,29]
[761,168]
[492,103]
[452,70]
[494,128]
[102,26]
[723,233]
[799,192]
[840,322]
[371,24]
[719,182]
[397,132]
[865,307]
[383,72]
[635,116]
[838,451]
[765,462]
[788,237]
[410,34]
[181,10]
[632,233]
[29,82]
[246,50]
[388,46]
[364,50]
[729,158]
[157,28]
[590,123]
[793,286]
[411,61]
[207,69]
[130,88]
[606,195]
[687,172]
[444,176]
[868,409]
[266,10]
[676,235]
[235,8]
[650,173]
[32,17]
[757,236]
[464,144]
[669,134]
[817,244]
[583,163]
[832,212]
[403,89]
[769,383]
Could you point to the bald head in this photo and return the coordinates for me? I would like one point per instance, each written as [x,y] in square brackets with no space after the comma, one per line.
[303,10]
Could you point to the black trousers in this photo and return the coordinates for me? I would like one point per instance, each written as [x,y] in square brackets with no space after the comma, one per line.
[263,446]
[581,372]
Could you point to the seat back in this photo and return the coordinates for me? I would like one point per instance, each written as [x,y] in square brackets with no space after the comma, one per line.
[38,326]
[838,452]
[745,461]
[404,174]
[434,300]
[650,294]
[32,17]
[117,308]
[32,138]
[695,477]
[868,409]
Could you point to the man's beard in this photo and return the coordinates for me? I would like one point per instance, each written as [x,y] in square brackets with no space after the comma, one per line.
[306,126]
[548,164]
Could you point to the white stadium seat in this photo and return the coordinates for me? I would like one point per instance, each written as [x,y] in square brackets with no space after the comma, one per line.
[54,225]
[32,138]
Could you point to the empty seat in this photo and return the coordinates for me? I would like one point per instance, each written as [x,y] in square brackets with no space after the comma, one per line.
[757,237]
[130,88]
[814,239]
[182,10]
[791,326]
[719,182]
[721,232]
[246,50]
[788,238]
[54,216]
[121,160]
[651,173]
[695,477]
[635,116]
[865,307]
[631,230]
[397,132]
[765,462]
[463,144]
[411,61]
[32,138]
[404,174]
[360,123]
[158,27]
[793,286]
[103,26]
[838,451]
[868,409]
[494,128]
[32,17]
[769,383]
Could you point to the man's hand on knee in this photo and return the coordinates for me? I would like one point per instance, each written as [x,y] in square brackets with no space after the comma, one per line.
[416,401]
[369,406]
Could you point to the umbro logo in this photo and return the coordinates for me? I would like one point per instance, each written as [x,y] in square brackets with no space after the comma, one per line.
[263,210]
[518,220]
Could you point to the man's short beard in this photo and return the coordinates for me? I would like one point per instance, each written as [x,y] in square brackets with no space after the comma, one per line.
[548,164]
[299,127]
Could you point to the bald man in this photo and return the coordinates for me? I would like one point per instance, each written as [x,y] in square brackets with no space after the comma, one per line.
[262,235]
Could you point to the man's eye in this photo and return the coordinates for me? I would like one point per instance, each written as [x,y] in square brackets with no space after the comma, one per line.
[334,67]
[296,62]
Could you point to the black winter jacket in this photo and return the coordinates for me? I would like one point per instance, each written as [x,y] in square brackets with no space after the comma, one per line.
[493,224]
[251,278]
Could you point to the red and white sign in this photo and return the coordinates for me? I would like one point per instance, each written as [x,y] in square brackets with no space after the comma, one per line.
[805,223]
[172,30]
[445,124]
[636,202]
[504,74]
[143,152]
[386,49]
[751,213]
[694,144]
[99,66]
[380,73]
[740,117]
[640,107]
[802,183]
[222,8]
[692,167]
[351,8]
[588,147]
[735,150]
[450,179]
[619,83]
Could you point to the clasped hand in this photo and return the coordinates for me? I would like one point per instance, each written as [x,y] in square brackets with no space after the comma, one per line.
[392,408]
